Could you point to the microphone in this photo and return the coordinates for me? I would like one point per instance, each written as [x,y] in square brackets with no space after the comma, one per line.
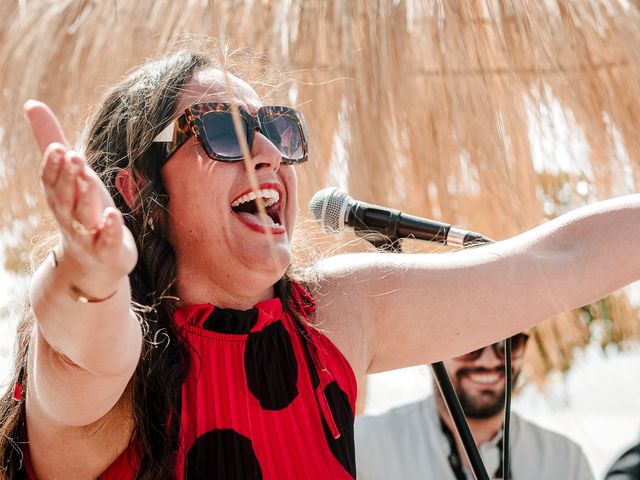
[335,211]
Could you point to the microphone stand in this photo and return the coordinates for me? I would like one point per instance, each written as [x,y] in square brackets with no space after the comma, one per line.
[459,420]
[446,388]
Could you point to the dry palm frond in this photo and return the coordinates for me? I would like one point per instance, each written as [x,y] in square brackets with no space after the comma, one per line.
[492,114]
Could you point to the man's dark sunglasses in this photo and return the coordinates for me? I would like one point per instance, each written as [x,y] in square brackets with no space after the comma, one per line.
[518,342]
[211,124]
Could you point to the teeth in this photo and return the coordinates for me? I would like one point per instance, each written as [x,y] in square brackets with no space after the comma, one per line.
[269,195]
[485,377]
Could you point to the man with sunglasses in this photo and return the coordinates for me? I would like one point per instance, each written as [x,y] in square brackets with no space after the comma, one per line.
[418,441]
[627,467]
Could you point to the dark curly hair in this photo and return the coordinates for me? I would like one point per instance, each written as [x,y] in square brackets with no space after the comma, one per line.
[121,136]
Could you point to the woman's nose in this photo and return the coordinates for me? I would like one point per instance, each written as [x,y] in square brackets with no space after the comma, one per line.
[264,153]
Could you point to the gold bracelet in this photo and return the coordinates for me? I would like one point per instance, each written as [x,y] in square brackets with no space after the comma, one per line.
[78,295]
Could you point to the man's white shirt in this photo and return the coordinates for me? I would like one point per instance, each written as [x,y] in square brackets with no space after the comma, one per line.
[408,443]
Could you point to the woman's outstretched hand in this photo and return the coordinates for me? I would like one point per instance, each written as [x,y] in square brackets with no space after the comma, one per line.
[88,340]
[95,242]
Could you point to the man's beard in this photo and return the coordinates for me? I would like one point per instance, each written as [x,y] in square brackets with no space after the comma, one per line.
[485,409]
[485,406]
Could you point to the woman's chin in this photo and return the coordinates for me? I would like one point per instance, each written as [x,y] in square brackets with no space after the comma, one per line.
[271,261]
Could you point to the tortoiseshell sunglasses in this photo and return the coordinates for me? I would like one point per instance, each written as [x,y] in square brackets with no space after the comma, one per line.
[211,124]
[518,342]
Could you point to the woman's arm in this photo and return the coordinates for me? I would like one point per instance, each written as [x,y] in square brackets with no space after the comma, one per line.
[82,354]
[387,311]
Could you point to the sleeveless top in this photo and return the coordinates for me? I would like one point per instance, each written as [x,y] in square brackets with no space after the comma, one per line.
[267,397]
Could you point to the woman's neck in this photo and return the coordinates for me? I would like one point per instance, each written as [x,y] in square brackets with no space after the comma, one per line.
[193,288]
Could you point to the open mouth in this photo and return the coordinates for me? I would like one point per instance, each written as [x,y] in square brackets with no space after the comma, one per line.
[246,208]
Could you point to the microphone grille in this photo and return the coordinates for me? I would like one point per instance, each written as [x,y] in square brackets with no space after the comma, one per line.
[328,207]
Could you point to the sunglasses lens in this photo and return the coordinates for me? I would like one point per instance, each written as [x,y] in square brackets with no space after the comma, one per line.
[221,135]
[517,344]
[471,356]
[285,134]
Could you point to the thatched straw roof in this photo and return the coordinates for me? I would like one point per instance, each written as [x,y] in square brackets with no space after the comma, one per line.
[492,114]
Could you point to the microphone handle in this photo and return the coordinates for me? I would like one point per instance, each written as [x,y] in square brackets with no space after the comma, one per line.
[416,227]
[393,225]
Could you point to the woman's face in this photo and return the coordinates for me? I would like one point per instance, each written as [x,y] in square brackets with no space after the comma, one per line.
[215,239]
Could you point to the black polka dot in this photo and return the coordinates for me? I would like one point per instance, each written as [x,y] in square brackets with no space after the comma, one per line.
[223,454]
[271,367]
[344,447]
[227,320]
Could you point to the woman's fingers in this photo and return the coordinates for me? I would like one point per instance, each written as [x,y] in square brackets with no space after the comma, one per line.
[44,124]
[73,190]
[77,198]
[52,162]
[70,191]
[64,189]
[88,205]
[110,235]
[115,243]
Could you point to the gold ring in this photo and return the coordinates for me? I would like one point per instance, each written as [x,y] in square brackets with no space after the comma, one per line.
[80,229]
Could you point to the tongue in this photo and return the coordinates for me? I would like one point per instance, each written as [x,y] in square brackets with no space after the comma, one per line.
[257,219]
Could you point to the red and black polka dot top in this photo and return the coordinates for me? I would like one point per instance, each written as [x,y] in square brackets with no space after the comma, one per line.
[267,397]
